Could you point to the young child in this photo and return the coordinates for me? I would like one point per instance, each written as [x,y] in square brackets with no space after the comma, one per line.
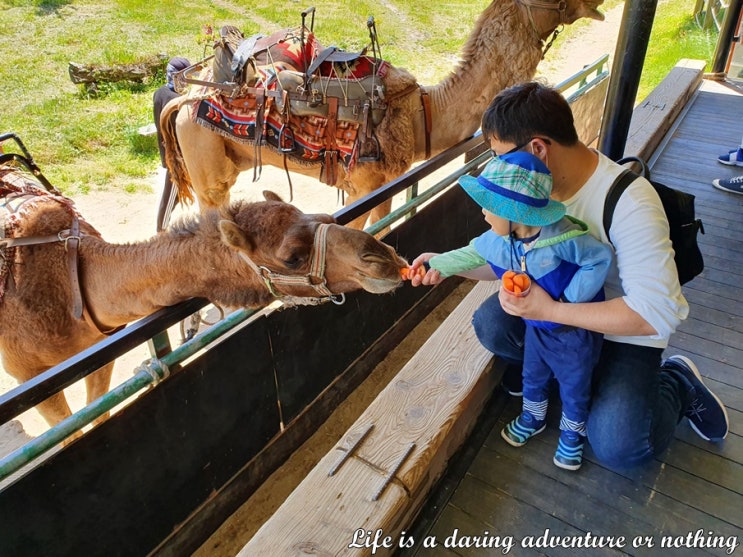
[530,233]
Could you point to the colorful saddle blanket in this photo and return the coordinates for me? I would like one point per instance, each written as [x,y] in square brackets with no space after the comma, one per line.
[302,101]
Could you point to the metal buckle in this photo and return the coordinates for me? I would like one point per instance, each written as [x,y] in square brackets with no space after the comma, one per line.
[67,238]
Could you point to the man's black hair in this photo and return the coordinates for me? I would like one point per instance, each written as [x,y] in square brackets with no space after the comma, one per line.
[527,110]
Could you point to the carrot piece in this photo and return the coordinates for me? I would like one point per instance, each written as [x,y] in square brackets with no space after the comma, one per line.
[508,274]
[521,281]
[407,273]
[516,289]
[508,283]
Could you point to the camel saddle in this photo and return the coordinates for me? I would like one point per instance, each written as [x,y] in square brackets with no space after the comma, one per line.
[316,105]
[18,195]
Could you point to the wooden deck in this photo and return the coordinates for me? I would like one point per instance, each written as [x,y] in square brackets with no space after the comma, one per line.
[693,490]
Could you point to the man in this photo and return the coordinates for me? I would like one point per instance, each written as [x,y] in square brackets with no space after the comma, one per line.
[160,98]
[637,398]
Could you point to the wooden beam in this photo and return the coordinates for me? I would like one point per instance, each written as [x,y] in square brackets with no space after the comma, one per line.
[373,483]
[653,117]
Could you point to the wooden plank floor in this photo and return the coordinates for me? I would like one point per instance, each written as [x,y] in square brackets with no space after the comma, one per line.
[695,488]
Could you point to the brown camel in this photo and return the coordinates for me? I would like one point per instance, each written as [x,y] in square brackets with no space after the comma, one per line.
[504,48]
[217,255]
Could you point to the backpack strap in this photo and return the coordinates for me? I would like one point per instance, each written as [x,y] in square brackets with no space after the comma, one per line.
[625,178]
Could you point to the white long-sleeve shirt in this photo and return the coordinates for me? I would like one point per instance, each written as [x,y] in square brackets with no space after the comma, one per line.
[643,272]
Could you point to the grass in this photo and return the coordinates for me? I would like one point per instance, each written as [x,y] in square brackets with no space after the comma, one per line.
[85,142]
[675,35]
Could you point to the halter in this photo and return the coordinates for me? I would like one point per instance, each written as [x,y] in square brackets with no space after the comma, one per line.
[560,7]
[314,279]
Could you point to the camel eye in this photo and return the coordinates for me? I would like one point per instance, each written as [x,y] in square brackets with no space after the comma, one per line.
[294,260]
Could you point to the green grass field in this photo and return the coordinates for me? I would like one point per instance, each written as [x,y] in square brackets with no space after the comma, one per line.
[86,142]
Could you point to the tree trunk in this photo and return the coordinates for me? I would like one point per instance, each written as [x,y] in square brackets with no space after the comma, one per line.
[137,71]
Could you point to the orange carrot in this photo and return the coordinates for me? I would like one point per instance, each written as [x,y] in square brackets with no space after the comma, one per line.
[407,273]
[517,283]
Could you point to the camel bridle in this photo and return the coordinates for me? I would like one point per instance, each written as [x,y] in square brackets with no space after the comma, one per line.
[314,279]
[561,7]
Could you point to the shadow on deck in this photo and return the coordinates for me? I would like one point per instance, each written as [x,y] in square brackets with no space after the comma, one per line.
[687,502]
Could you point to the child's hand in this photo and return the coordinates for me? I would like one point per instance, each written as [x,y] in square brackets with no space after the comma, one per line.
[419,272]
[538,305]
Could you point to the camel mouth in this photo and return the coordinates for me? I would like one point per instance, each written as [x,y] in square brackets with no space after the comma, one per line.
[377,285]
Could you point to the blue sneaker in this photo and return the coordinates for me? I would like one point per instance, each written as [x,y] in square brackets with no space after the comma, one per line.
[569,454]
[734,157]
[518,431]
[730,185]
[706,413]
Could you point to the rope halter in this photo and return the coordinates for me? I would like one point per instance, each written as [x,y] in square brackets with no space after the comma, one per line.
[314,279]
[561,7]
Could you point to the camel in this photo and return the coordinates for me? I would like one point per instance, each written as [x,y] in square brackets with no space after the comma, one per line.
[246,255]
[504,49]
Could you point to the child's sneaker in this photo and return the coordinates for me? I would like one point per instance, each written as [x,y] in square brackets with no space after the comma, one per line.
[518,431]
[569,454]
[733,157]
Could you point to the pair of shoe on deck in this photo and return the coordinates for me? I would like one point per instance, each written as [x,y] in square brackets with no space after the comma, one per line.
[734,157]
[706,414]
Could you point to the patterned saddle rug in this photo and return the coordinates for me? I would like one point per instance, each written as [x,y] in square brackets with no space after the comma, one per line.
[315,105]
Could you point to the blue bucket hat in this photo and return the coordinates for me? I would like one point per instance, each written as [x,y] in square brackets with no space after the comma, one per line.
[516,187]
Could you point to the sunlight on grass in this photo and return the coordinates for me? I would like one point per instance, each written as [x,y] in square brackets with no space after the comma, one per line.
[675,36]
[87,141]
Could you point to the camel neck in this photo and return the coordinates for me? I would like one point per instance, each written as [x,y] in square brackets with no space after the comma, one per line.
[124,282]
[459,100]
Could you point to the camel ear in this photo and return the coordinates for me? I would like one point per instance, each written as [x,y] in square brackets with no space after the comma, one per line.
[271,196]
[588,8]
[233,236]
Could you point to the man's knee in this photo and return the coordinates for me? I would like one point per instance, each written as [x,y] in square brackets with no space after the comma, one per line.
[618,440]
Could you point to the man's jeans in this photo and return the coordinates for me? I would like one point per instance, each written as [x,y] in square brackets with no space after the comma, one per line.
[634,407]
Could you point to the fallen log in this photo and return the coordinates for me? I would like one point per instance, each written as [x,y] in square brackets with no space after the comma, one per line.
[136,71]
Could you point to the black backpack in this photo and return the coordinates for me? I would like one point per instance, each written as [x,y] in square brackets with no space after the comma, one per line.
[679,208]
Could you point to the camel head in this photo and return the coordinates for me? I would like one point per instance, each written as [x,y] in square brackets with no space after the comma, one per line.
[303,255]
[547,15]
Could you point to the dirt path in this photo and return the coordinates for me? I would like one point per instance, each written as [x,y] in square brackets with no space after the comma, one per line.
[124,217]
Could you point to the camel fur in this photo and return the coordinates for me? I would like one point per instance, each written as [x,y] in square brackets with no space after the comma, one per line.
[198,257]
[503,49]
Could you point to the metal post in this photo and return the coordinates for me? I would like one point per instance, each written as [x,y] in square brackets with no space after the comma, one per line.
[629,56]
[726,37]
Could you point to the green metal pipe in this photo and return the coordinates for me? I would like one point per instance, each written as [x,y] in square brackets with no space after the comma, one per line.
[148,373]
[47,440]
[426,196]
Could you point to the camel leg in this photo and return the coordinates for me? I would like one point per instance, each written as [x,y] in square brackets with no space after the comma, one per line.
[54,409]
[207,160]
[97,384]
[379,212]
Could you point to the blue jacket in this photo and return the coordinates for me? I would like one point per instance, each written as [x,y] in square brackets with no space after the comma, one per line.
[570,264]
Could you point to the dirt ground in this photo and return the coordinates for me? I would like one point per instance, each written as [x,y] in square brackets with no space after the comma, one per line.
[124,217]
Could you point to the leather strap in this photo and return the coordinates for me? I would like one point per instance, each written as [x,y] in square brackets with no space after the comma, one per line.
[260,108]
[426,102]
[71,239]
[243,53]
[331,151]
[71,244]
